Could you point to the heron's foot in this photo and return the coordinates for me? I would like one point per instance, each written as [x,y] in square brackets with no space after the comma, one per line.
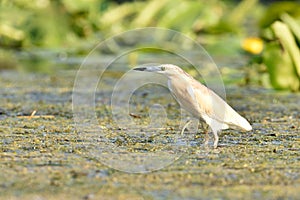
[185,126]
[206,143]
[215,145]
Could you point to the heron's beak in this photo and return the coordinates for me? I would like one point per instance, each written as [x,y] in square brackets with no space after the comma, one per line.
[148,69]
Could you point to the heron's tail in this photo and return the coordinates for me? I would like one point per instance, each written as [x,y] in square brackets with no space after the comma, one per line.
[243,124]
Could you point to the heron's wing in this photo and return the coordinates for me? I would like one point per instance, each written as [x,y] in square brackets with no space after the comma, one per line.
[185,96]
[173,92]
[203,109]
[216,108]
[191,93]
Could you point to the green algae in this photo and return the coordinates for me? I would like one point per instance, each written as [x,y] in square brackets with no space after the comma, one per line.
[47,157]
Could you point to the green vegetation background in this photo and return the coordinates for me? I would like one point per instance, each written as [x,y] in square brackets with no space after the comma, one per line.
[75,26]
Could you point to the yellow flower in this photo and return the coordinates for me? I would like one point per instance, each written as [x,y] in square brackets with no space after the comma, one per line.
[253,45]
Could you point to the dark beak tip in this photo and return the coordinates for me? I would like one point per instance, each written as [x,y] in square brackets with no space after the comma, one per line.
[140,69]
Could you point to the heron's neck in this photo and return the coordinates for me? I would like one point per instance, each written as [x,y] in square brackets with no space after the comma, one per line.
[177,78]
[178,81]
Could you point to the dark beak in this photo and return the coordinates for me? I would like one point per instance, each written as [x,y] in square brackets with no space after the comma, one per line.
[148,68]
[140,68]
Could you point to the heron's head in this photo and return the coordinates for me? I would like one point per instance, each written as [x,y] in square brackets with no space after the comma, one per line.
[166,69]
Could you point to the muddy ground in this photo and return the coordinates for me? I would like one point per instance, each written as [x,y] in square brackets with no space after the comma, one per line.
[46,157]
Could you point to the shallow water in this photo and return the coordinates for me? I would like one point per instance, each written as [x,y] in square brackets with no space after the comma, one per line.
[53,158]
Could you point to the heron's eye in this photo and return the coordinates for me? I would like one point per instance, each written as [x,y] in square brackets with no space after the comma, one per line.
[163,68]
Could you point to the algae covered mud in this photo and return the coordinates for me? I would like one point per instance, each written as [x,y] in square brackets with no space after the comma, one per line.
[44,155]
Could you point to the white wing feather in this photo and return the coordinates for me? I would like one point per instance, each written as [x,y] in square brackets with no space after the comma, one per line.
[219,110]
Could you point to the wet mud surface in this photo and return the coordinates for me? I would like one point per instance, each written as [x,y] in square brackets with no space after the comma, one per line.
[47,156]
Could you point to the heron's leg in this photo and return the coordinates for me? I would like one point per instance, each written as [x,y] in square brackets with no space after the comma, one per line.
[216,138]
[185,126]
[206,137]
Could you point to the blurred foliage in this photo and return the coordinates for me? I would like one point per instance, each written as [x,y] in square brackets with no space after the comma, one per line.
[46,23]
[280,59]
[76,25]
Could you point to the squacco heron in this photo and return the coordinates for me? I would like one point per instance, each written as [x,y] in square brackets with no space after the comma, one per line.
[199,100]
